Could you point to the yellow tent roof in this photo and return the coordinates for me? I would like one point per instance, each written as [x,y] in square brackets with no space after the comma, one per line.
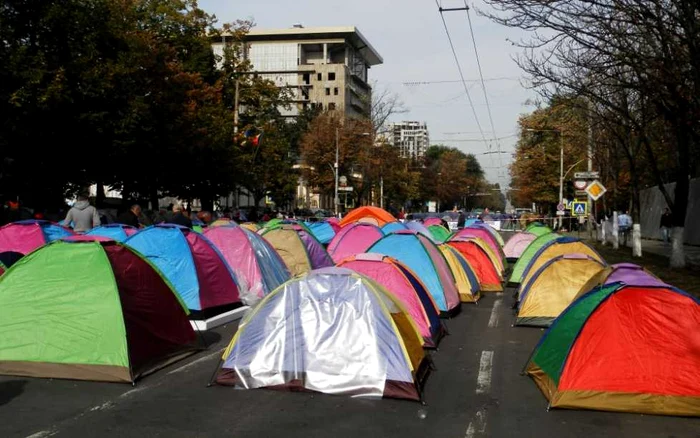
[291,248]
[554,250]
[464,286]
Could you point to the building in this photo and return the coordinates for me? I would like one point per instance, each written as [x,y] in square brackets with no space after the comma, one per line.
[410,137]
[324,66]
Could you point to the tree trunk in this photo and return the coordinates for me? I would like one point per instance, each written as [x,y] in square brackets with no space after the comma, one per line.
[153,199]
[99,194]
[677,253]
[615,235]
[207,202]
[681,193]
[636,240]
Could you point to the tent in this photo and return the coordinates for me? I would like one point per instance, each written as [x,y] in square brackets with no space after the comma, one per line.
[398,279]
[465,278]
[526,256]
[353,239]
[623,348]
[517,244]
[394,226]
[482,234]
[496,257]
[423,257]
[494,232]
[372,215]
[304,337]
[538,229]
[118,232]
[322,231]
[258,267]
[486,272]
[429,221]
[553,287]
[418,227]
[554,248]
[196,269]
[627,273]
[300,250]
[439,233]
[107,315]
[252,226]
[20,238]
[3,268]
[223,221]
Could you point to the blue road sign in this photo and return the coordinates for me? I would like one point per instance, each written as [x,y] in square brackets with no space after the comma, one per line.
[578,208]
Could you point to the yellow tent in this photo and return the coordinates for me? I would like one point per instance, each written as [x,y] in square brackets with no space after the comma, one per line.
[555,285]
[291,248]
[554,248]
[465,279]
[251,226]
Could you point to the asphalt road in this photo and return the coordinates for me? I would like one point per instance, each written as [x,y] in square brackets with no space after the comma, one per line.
[476,391]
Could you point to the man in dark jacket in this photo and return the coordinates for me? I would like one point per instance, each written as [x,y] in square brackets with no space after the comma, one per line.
[179,217]
[130,217]
[666,225]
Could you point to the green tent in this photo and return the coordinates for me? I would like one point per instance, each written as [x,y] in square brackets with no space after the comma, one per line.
[439,233]
[538,229]
[89,310]
[517,275]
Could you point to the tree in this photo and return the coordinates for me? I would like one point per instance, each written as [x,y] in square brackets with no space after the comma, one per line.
[639,60]
[450,176]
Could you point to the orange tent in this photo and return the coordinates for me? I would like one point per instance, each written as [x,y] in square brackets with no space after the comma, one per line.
[372,215]
[487,274]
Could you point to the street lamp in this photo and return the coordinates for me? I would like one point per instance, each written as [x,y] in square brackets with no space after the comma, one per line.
[336,200]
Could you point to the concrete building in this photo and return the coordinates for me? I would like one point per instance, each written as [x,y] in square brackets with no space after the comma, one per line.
[325,66]
[410,137]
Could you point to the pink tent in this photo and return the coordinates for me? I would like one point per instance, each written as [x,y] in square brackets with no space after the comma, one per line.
[432,221]
[517,244]
[335,224]
[20,238]
[258,267]
[353,239]
[482,234]
[398,279]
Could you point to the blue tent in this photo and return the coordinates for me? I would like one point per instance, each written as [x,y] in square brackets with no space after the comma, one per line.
[420,228]
[192,264]
[322,231]
[422,256]
[393,226]
[118,232]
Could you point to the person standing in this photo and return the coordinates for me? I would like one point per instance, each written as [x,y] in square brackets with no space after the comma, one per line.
[624,225]
[83,215]
[666,225]
[130,217]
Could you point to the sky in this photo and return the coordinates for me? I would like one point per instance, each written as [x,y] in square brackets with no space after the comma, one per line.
[410,36]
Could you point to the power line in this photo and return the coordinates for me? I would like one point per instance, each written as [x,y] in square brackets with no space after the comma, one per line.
[502,78]
[483,84]
[459,68]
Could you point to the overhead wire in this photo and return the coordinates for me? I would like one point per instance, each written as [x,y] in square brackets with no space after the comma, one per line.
[461,74]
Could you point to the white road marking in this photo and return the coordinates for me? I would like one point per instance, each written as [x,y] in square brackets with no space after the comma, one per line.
[43,434]
[103,407]
[483,379]
[477,425]
[493,320]
[194,362]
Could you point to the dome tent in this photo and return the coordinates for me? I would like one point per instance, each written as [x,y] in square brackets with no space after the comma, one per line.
[196,269]
[301,337]
[108,314]
[20,238]
[353,239]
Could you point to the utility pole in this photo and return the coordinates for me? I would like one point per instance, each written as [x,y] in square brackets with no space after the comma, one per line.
[381,191]
[561,176]
[336,200]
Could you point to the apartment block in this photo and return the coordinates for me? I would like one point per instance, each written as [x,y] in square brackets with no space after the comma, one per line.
[410,137]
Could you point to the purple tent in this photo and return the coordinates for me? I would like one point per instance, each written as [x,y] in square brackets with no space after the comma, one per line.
[632,275]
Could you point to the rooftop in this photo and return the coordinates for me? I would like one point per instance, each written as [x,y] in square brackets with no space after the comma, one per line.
[351,33]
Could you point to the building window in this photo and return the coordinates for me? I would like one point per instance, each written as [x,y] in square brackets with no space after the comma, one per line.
[331,76]
[306,78]
[328,91]
[335,91]
[331,106]
[320,76]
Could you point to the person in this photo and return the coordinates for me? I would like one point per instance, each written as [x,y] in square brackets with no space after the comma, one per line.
[461,220]
[666,225]
[83,215]
[131,216]
[624,224]
[179,217]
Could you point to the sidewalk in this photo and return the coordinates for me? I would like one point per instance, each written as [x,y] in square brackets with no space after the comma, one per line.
[692,253]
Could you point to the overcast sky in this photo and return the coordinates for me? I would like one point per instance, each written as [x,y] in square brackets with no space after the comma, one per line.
[410,37]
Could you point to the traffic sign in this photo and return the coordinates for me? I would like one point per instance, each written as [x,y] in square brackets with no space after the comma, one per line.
[561,207]
[579,208]
[560,213]
[586,175]
[345,189]
[595,190]
[580,184]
